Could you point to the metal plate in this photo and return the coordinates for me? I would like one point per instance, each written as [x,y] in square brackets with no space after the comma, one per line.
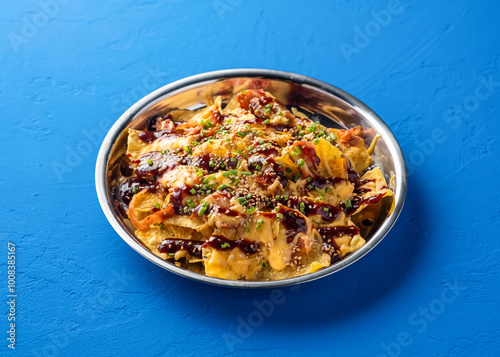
[332,107]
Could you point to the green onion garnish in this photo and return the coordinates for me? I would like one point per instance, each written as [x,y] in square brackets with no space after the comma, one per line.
[203,208]
[318,190]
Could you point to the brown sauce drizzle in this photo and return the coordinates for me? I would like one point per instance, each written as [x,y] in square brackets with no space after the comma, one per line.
[149,136]
[221,243]
[358,202]
[330,233]
[126,187]
[293,222]
[327,211]
[160,163]
[172,246]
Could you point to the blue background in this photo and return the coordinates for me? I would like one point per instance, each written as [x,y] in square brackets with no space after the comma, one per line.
[431,71]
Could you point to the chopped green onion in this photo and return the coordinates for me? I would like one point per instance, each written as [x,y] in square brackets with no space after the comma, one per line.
[279,216]
[223,186]
[157,205]
[211,163]
[300,162]
[318,190]
[203,208]
[150,162]
[267,121]
[325,209]
[316,141]
[224,245]
[194,143]
[233,172]
[134,190]
[309,187]
[190,204]
[242,200]
[241,134]
[347,203]
[246,173]
[259,223]
[333,136]
[302,207]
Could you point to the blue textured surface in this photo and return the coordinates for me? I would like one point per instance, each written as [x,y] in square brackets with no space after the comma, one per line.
[431,71]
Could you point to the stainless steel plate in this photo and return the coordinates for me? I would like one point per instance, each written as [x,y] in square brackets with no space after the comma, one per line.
[332,106]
